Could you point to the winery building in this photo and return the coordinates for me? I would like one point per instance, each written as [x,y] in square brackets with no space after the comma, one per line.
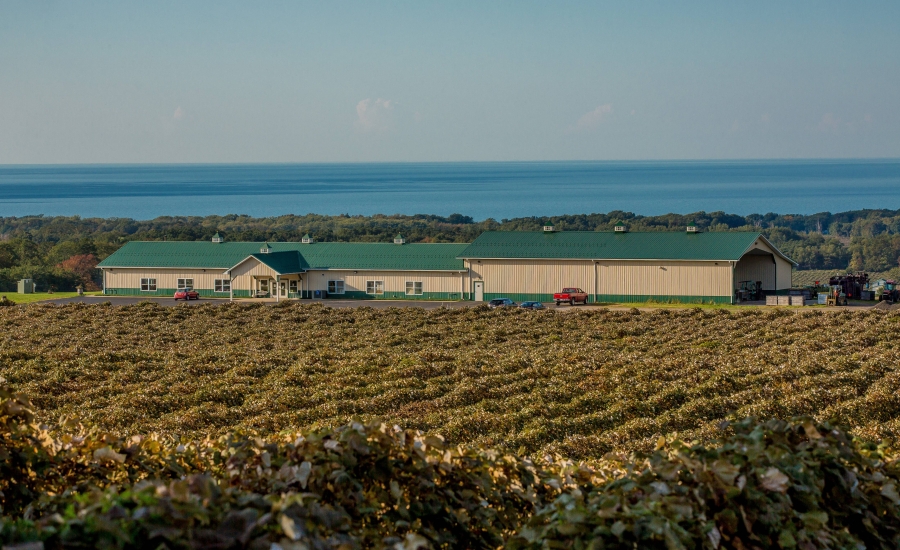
[619,266]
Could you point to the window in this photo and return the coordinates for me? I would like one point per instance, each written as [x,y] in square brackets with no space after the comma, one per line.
[223,285]
[375,287]
[413,288]
[292,286]
[264,285]
[336,287]
[148,285]
[185,283]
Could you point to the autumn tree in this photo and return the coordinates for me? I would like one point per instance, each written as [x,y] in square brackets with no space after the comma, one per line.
[85,266]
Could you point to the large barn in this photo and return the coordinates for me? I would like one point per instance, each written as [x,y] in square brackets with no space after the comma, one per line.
[620,266]
[624,267]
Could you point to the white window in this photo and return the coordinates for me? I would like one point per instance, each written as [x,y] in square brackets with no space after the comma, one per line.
[264,285]
[185,283]
[223,285]
[335,287]
[413,288]
[375,287]
[148,285]
[292,286]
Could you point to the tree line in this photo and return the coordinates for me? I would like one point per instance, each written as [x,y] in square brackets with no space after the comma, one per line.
[63,252]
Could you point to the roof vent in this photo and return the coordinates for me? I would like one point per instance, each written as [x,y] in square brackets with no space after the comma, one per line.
[399,239]
[619,227]
[265,248]
[549,228]
[692,228]
[307,239]
[217,238]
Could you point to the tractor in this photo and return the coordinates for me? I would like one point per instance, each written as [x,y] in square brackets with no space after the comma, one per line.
[748,291]
[887,292]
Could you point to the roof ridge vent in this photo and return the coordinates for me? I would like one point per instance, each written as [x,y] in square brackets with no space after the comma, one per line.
[265,248]
[399,239]
[692,227]
[307,239]
[217,238]
[620,227]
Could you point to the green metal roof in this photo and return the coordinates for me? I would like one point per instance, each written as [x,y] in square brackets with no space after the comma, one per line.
[367,256]
[596,245]
[282,262]
[389,256]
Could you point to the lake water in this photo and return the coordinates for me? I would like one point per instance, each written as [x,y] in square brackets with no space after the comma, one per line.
[481,190]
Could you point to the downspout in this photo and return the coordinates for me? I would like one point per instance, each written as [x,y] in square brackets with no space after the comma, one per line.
[468,278]
[230,287]
[732,282]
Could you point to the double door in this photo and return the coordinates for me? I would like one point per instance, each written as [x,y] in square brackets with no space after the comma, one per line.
[267,286]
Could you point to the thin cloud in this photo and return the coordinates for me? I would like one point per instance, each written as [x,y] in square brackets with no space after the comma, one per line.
[374,114]
[829,123]
[592,119]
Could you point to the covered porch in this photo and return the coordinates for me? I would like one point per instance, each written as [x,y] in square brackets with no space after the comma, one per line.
[277,275]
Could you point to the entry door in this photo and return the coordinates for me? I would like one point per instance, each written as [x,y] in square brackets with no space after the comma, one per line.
[283,287]
[479,291]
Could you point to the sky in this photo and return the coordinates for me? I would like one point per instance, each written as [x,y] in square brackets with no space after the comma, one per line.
[344,81]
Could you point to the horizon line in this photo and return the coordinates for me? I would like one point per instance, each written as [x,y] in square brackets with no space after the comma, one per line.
[543,161]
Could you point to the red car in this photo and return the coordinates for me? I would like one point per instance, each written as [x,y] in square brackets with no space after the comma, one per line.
[187,294]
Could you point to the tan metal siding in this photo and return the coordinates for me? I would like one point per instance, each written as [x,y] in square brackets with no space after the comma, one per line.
[394,281]
[534,276]
[165,278]
[785,274]
[664,278]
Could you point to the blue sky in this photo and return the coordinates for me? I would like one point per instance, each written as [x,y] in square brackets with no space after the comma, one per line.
[98,82]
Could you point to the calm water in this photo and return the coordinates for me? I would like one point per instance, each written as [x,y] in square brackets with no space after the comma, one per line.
[481,190]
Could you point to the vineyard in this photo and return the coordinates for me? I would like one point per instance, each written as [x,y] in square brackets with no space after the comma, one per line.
[579,384]
[298,426]
[810,276]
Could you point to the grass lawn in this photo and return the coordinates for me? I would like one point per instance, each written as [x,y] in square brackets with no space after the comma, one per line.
[41,296]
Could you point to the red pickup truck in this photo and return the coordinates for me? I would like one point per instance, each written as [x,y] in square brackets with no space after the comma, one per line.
[570,295]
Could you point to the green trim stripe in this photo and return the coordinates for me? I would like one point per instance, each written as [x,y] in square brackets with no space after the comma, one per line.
[359,295]
[613,298]
[306,294]
[641,298]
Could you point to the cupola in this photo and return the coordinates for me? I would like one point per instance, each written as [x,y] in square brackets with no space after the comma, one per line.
[306,239]
[265,248]
[549,228]
[217,238]
[399,239]
[619,227]
[692,227]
